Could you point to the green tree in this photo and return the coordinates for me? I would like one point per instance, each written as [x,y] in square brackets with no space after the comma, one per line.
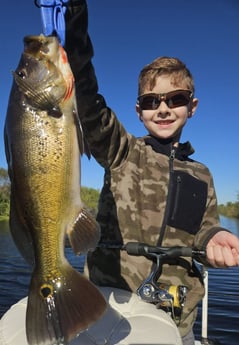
[231,209]
[90,197]
[4,193]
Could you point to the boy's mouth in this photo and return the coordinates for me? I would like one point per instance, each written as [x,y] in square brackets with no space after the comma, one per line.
[164,122]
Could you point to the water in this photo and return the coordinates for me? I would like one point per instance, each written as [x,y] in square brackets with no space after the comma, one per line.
[223,301]
[223,323]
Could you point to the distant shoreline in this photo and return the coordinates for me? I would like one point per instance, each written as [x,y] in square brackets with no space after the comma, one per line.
[4,218]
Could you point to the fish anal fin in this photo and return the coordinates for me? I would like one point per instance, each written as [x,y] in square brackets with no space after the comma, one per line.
[84,234]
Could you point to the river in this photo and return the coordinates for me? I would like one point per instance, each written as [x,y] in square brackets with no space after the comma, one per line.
[223,315]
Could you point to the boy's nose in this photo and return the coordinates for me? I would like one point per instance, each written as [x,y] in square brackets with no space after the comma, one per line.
[163,109]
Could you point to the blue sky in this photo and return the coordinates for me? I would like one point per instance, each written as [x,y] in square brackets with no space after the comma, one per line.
[128,34]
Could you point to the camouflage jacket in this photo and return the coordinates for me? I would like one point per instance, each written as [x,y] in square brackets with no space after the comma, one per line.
[152,193]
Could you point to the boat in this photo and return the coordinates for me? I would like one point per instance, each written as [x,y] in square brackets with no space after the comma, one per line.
[129,318]
[127,321]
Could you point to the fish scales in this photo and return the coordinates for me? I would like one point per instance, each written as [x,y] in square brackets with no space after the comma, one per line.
[43,144]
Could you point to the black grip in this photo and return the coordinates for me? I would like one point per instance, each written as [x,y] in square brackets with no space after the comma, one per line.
[175,252]
[138,249]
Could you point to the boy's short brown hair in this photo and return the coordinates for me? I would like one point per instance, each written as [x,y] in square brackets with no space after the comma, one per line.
[165,66]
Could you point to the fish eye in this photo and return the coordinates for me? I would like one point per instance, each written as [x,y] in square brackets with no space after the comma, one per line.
[22,74]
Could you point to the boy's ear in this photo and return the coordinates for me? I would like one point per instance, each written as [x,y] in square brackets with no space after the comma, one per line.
[138,111]
[193,107]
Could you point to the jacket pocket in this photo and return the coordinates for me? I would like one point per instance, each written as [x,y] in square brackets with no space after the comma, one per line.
[187,202]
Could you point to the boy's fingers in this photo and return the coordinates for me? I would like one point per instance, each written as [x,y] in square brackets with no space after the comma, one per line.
[222,257]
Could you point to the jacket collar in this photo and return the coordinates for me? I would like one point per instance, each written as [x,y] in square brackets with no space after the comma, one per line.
[164,146]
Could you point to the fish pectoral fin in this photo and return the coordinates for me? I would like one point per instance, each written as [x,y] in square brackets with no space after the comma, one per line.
[82,142]
[84,234]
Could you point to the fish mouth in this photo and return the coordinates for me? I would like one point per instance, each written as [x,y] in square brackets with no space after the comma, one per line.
[40,46]
[45,72]
[39,74]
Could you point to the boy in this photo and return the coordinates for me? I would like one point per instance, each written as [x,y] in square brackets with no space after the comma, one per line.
[153,192]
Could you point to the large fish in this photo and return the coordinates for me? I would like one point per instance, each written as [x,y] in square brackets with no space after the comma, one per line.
[42,141]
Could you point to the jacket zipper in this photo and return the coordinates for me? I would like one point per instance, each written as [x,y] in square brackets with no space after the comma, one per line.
[169,196]
[176,197]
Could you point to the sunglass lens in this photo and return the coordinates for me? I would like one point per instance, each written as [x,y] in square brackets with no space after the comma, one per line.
[149,103]
[178,100]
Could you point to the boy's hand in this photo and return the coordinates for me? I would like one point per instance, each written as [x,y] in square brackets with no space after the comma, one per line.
[223,250]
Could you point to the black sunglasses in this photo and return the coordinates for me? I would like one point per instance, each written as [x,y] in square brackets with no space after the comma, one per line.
[173,99]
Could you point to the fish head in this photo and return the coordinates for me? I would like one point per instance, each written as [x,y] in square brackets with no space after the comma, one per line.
[43,74]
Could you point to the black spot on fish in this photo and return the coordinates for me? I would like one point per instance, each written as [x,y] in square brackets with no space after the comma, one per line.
[55,112]
[46,291]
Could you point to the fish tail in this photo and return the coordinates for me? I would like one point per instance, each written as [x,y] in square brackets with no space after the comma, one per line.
[61,308]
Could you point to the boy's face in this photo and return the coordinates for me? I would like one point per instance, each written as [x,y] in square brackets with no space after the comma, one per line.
[166,122]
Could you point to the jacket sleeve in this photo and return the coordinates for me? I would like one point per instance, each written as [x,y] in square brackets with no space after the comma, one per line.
[79,48]
[106,137]
[210,223]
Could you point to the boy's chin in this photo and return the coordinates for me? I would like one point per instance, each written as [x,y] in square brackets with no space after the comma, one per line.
[168,136]
[165,136]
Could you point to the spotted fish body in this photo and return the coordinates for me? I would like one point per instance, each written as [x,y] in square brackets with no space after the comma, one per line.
[43,144]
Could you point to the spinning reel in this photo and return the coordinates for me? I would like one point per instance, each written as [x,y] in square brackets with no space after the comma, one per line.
[170,298]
